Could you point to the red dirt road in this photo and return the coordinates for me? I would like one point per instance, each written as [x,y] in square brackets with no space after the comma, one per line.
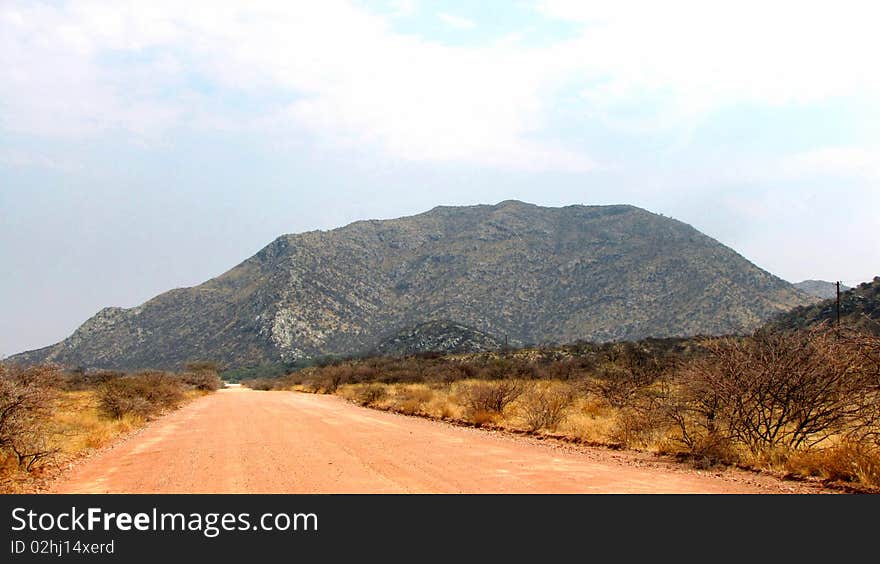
[243,441]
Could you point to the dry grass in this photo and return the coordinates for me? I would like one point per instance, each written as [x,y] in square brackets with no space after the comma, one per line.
[589,418]
[546,406]
[79,425]
[76,427]
[845,462]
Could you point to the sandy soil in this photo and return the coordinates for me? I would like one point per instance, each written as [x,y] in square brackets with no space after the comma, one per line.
[243,441]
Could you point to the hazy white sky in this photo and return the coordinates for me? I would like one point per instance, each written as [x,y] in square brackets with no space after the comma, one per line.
[155,144]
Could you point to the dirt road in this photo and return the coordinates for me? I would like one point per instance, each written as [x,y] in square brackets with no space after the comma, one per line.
[243,441]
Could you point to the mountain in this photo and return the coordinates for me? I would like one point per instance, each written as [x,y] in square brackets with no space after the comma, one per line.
[443,336]
[819,288]
[859,309]
[533,274]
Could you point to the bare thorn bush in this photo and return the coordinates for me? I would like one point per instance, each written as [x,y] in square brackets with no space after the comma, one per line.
[775,390]
[26,399]
[202,376]
[491,397]
[545,408]
[144,394]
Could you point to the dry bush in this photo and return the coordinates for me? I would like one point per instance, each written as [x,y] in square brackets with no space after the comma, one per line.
[507,368]
[417,393]
[83,380]
[491,397]
[618,387]
[412,398]
[636,427]
[262,384]
[202,376]
[772,391]
[370,394]
[310,384]
[363,373]
[545,408]
[27,396]
[626,371]
[865,425]
[333,376]
[566,369]
[32,446]
[144,394]
[202,380]
[449,372]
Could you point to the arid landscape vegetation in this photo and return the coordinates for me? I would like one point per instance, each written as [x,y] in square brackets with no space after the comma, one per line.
[802,403]
[416,246]
[50,416]
[797,398]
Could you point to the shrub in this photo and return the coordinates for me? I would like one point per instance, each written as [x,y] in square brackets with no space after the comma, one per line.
[263,384]
[370,394]
[417,393]
[83,380]
[865,425]
[491,397]
[786,390]
[619,380]
[334,376]
[410,399]
[26,400]
[203,380]
[141,394]
[545,408]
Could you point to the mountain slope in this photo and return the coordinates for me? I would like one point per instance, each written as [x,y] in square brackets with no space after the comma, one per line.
[443,336]
[532,273]
[859,309]
[819,288]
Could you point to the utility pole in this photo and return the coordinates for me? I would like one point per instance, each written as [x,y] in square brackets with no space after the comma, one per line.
[838,304]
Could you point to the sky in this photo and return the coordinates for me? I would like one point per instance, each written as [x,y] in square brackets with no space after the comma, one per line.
[148,145]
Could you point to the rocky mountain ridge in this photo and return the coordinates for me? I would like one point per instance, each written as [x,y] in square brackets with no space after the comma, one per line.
[533,274]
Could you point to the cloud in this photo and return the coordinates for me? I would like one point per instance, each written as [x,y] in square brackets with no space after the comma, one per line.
[20,159]
[456,21]
[332,68]
[848,162]
[691,57]
[342,74]
[403,8]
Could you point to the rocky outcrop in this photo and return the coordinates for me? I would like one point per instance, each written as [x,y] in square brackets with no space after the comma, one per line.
[443,336]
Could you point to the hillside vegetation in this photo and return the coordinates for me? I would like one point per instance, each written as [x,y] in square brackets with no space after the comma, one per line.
[859,310]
